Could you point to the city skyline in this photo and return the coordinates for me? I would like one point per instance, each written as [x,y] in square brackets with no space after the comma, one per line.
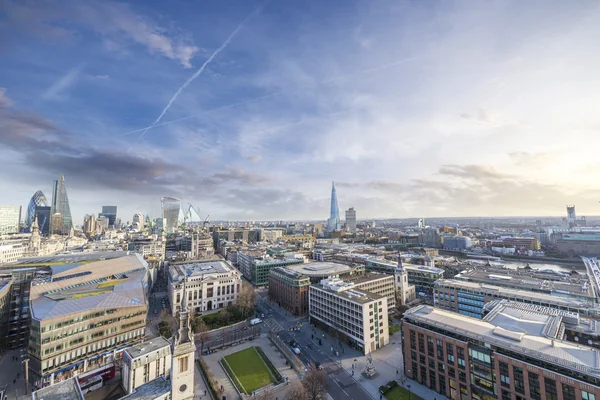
[454,114]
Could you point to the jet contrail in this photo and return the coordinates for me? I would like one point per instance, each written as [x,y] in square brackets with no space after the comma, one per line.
[201,69]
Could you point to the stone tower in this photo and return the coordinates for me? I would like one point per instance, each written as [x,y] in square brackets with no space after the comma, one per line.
[184,350]
[35,240]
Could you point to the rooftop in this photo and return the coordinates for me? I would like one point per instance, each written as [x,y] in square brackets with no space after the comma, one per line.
[73,258]
[369,277]
[151,390]
[64,390]
[524,331]
[346,290]
[200,268]
[321,269]
[287,271]
[151,346]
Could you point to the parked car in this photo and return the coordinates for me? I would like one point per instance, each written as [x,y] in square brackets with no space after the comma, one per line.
[318,365]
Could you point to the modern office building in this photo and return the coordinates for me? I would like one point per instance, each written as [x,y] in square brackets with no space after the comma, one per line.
[256,268]
[89,224]
[381,284]
[4,310]
[60,205]
[351,219]
[37,200]
[43,215]
[470,298]
[109,212]
[317,271]
[19,318]
[83,314]
[421,276]
[211,285]
[171,208]
[10,219]
[360,317]
[333,223]
[289,289]
[145,362]
[457,242]
[515,352]
[239,235]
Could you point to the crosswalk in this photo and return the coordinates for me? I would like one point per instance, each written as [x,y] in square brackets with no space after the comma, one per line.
[273,325]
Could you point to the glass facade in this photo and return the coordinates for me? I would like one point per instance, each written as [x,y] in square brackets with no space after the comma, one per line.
[470,304]
[37,200]
[10,218]
[170,212]
[60,205]
[333,223]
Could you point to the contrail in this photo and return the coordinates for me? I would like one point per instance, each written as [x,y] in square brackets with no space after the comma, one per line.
[201,69]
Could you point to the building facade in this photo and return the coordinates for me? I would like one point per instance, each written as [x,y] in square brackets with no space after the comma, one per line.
[457,242]
[289,289]
[211,285]
[145,362]
[381,284]
[60,205]
[171,208]
[511,354]
[256,268]
[360,317]
[10,219]
[109,212]
[333,223]
[37,200]
[351,219]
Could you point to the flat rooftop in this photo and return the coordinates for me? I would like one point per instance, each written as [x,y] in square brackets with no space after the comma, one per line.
[368,277]
[521,331]
[151,390]
[508,292]
[288,271]
[64,390]
[353,294]
[511,278]
[317,269]
[73,258]
[151,346]
[200,268]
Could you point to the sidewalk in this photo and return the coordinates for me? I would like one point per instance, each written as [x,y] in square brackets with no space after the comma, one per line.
[388,362]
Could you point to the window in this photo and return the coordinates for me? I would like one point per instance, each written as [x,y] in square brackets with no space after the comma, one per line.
[519,382]
[460,352]
[429,346]
[421,343]
[534,386]
[422,359]
[413,339]
[413,355]
[587,396]
[432,383]
[423,376]
[442,380]
[183,364]
[462,376]
[450,353]
[550,386]
[451,372]
[506,395]
[414,371]
[568,392]
[441,367]
[440,350]
[431,363]
[504,377]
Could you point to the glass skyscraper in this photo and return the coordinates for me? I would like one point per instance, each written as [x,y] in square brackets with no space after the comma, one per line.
[109,212]
[333,223]
[60,205]
[37,200]
[171,208]
[10,218]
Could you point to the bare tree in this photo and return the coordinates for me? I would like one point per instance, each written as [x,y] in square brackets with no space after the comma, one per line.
[246,299]
[266,395]
[201,333]
[297,392]
[314,383]
[224,316]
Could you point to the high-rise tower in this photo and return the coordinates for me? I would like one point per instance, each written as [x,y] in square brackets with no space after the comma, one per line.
[184,349]
[171,208]
[37,200]
[60,205]
[333,223]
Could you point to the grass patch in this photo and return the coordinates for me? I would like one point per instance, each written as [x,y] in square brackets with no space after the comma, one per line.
[399,393]
[394,328]
[248,369]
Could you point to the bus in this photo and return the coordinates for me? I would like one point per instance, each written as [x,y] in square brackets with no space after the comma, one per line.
[91,384]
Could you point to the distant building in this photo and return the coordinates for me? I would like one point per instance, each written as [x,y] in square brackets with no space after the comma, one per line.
[241,235]
[579,244]
[43,215]
[37,200]
[351,219]
[457,242]
[421,276]
[256,267]
[89,224]
[317,271]
[523,243]
[10,219]
[430,237]
[171,208]
[138,221]
[60,205]
[360,317]
[109,212]
[333,223]
[515,352]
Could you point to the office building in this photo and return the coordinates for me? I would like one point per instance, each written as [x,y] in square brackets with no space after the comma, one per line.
[525,243]
[82,314]
[289,289]
[43,216]
[351,219]
[171,208]
[138,222]
[4,310]
[89,224]
[333,223]
[430,237]
[256,267]
[10,219]
[421,276]
[109,212]
[381,284]
[238,235]
[60,205]
[145,362]
[515,352]
[18,312]
[148,246]
[37,200]
[457,243]
[211,285]
[69,389]
[317,271]
[360,317]
[579,244]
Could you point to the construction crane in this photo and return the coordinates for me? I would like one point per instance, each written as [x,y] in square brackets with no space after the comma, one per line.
[205,220]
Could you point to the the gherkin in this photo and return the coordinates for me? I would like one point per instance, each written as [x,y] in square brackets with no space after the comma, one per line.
[37,200]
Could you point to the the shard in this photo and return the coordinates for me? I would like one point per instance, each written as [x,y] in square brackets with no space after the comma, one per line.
[60,205]
[333,223]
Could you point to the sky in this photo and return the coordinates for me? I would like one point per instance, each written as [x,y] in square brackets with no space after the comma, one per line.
[248,110]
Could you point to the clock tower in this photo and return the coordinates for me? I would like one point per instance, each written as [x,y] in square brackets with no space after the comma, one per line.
[184,351]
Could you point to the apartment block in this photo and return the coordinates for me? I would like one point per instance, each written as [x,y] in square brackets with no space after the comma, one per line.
[514,353]
[360,317]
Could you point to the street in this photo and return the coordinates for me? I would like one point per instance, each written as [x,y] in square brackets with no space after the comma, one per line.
[340,384]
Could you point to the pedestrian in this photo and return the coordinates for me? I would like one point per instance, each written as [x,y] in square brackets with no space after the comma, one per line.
[396,372]
[14,381]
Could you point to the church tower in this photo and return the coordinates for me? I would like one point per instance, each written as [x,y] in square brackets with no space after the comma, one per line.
[35,240]
[401,285]
[184,350]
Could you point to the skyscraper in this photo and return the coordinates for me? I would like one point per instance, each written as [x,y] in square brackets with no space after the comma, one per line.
[333,223]
[37,200]
[109,212]
[170,212]
[10,219]
[60,205]
[351,219]
[43,216]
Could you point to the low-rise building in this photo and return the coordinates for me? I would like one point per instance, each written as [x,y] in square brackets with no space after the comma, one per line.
[289,289]
[145,362]
[212,284]
[256,268]
[360,317]
[421,276]
[515,352]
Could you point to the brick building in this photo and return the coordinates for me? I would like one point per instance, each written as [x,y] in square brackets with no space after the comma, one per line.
[289,289]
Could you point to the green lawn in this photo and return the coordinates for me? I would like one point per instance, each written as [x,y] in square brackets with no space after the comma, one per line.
[399,393]
[249,370]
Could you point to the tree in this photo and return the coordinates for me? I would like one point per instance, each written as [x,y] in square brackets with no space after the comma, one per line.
[297,392]
[201,333]
[314,383]
[266,395]
[246,299]
[224,316]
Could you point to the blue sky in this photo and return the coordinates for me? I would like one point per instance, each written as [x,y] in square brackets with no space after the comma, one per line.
[414,108]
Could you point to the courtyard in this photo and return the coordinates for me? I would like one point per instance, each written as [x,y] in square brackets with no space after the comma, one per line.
[248,369]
